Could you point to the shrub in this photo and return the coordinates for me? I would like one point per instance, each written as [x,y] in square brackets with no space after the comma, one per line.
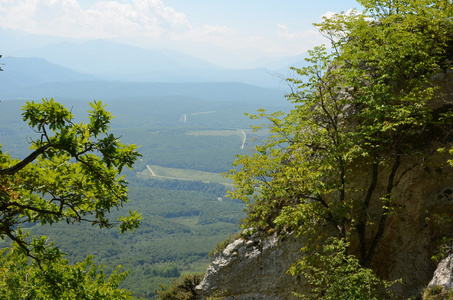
[182,288]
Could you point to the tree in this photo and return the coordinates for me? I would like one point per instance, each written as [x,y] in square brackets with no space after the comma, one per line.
[365,115]
[54,277]
[72,175]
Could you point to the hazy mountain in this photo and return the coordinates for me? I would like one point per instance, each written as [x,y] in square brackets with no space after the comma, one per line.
[16,40]
[114,61]
[103,57]
[20,73]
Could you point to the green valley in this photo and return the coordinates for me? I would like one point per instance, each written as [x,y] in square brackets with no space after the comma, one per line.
[184,208]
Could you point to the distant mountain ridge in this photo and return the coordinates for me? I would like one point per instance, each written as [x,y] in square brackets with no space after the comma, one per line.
[109,60]
[101,57]
[20,73]
[102,68]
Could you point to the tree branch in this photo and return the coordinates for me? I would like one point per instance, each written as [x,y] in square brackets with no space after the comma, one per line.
[13,170]
[361,226]
[385,212]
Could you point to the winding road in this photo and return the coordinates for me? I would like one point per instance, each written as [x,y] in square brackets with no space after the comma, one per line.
[243,139]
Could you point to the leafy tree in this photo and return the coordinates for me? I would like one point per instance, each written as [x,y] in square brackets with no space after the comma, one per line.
[334,274]
[53,277]
[364,116]
[72,175]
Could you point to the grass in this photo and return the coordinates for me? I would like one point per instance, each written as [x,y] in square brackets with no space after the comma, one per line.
[437,293]
[183,174]
[188,221]
[215,132]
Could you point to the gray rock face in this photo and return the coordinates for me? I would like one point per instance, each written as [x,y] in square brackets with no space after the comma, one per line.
[253,269]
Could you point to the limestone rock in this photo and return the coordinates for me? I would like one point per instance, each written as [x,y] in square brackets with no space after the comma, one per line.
[443,276]
[253,269]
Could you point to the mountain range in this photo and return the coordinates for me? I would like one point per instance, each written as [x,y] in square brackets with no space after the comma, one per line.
[98,67]
[113,61]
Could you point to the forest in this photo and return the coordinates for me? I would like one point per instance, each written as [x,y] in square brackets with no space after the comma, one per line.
[183,219]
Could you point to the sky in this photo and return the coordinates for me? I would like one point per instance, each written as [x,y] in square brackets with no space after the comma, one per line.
[245,29]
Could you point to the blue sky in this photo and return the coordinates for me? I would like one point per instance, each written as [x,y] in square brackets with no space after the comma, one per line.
[245,29]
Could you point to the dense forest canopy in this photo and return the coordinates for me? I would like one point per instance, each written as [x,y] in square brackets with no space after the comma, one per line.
[366,113]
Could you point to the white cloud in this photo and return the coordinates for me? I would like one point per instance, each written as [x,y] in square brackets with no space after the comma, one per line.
[150,23]
[104,19]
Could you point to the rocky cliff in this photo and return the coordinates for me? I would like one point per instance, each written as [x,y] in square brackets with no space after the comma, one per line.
[256,268]
[253,268]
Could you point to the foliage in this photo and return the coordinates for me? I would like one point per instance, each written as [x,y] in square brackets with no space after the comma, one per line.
[53,277]
[332,273]
[364,116]
[181,289]
[71,176]
[161,242]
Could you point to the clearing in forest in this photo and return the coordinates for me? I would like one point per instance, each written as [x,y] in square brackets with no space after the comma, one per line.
[154,171]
